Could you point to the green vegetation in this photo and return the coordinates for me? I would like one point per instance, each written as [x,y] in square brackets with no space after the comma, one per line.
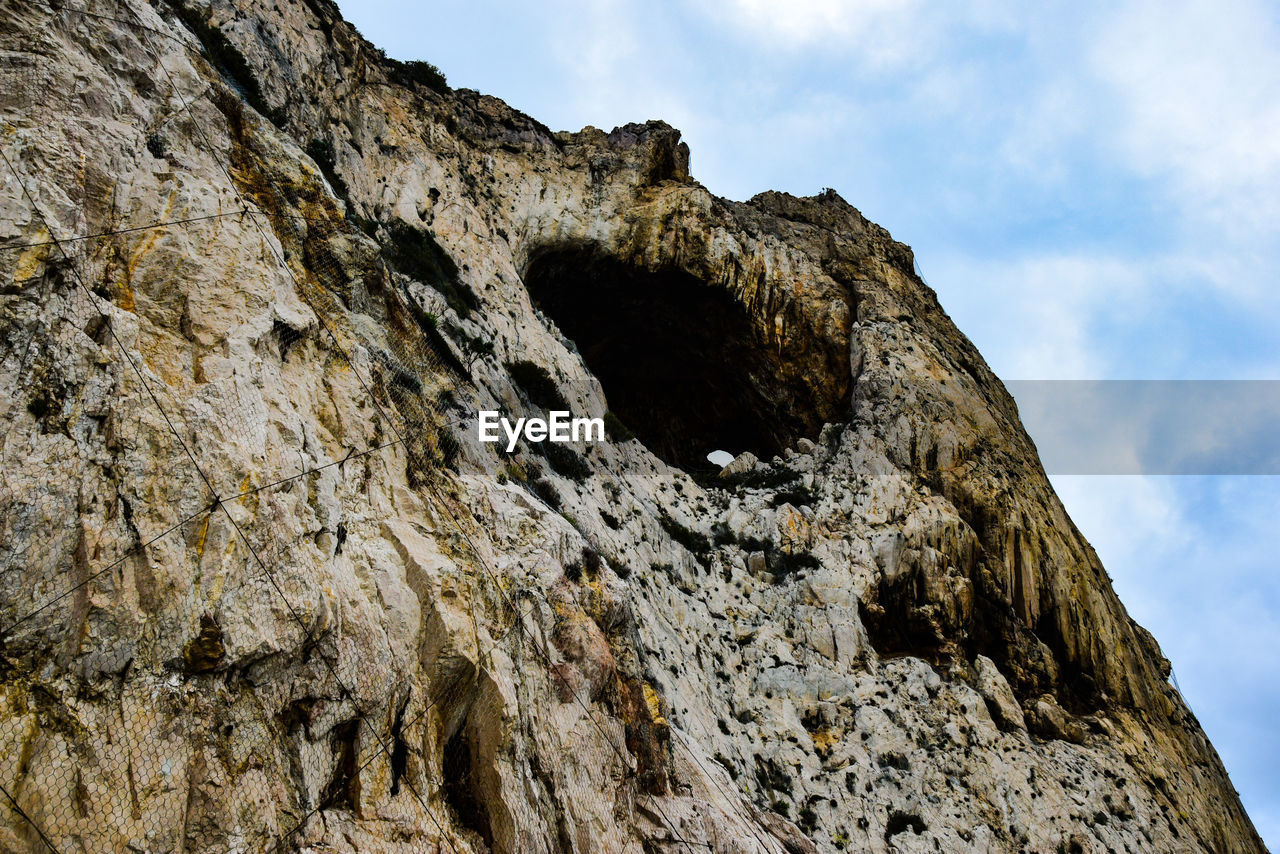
[766,478]
[448,447]
[428,323]
[415,71]
[326,11]
[565,461]
[473,345]
[157,146]
[722,535]
[228,60]
[785,564]
[538,385]
[770,775]
[415,253]
[588,563]
[546,490]
[691,540]
[615,429]
[321,151]
[796,496]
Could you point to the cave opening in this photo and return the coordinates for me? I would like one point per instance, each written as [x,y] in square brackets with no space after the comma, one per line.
[681,363]
[461,787]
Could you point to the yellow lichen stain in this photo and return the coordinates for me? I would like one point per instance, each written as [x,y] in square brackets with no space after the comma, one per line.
[158,356]
[566,611]
[200,538]
[796,530]
[30,261]
[219,583]
[140,252]
[124,294]
[247,497]
[824,740]
[654,703]
[337,366]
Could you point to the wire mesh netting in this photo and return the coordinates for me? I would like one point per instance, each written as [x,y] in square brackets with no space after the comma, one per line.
[219,515]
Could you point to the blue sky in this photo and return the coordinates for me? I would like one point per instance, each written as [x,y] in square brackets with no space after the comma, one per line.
[1092,188]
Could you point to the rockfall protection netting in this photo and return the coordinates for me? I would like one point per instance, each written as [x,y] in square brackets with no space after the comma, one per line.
[92,765]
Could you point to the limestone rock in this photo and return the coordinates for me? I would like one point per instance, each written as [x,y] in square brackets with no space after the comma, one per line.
[1049,720]
[743,463]
[263,587]
[999,696]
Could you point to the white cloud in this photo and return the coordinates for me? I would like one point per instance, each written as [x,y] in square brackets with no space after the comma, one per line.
[598,46]
[1093,315]
[1196,86]
[1044,134]
[1034,317]
[880,30]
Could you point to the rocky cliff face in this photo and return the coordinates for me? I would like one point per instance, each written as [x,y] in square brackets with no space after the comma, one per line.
[261,588]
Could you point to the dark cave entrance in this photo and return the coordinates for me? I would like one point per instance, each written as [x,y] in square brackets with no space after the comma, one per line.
[681,363]
[461,788]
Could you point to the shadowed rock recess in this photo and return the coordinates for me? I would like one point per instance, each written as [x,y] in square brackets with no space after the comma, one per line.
[262,588]
[679,358]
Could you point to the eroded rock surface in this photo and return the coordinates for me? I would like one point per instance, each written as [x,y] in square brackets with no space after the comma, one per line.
[261,588]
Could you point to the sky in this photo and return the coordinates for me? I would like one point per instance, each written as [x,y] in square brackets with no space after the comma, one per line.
[1092,188]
